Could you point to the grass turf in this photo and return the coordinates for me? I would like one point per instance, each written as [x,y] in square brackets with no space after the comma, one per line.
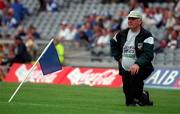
[59,99]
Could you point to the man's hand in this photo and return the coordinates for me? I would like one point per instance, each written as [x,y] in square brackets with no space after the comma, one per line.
[134,69]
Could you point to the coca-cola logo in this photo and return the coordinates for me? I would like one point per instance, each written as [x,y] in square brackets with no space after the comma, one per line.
[36,76]
[92,78]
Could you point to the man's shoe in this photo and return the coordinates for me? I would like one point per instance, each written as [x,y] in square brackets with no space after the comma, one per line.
[150,103]
[133,104]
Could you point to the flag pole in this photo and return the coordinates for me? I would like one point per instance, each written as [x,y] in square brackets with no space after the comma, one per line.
[32,68]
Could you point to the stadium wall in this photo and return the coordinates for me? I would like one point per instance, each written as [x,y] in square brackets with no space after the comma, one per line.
[99,77]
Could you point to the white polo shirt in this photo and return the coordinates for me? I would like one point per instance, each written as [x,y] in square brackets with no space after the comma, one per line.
[129,53]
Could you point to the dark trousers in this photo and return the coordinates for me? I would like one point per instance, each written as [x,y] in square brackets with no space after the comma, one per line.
[133,86]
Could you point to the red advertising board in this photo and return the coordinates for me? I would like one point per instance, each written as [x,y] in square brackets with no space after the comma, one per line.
[68,76]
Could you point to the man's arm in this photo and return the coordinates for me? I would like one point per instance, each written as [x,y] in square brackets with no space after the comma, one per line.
[115,49]
[148,52]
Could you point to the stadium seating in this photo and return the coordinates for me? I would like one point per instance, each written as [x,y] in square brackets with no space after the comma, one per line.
[47,22]
[73,11]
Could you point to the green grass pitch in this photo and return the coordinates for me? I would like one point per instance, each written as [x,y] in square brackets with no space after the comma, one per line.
[59,99]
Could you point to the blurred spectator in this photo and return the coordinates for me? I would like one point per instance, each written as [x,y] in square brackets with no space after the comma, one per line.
[85,35]
[10,14]
[177,24]
[8,50]
[2,5]
[9,20]
[161,47]
[91,18]
[107,22]
[32,48]
[134,5]
[115,25]
[148,18]
[60,51]
[172,44]
[20,53]
[144,2]
[1,51]
[19,11]
[63,32]
[177,8]
[32,33]
[81,39]
[88,30]
[20,32]
[67,32]
[1,30]
[170,22]
[124,24]
[42,5]
[101,45]
[178,40]
[2,75]
[52,6]
[158,16]
[71,32]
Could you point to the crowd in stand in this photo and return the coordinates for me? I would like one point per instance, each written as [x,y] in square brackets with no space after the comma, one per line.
[96,29]
[48,5]
[11,14]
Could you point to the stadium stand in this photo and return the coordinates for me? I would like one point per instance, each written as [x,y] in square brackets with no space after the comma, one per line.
[161,18]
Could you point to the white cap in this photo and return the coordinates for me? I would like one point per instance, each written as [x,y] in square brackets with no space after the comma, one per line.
[135,14]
